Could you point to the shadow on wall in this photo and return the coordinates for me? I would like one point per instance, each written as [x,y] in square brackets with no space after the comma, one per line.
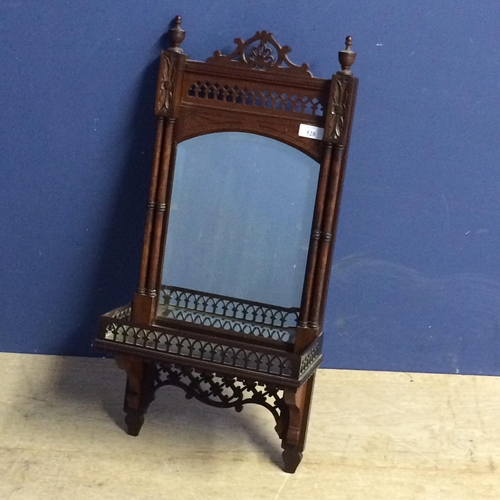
[433,324]
[116,273]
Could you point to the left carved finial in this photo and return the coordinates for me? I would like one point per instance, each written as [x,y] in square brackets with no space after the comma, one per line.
[177,35]
[347,57]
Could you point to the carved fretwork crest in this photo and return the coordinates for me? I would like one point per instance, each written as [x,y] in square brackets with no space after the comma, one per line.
[262,51]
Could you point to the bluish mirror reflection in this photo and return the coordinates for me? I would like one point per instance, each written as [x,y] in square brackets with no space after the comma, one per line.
[240,218]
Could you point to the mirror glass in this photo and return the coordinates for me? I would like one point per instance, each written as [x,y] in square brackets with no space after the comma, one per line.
[240,218]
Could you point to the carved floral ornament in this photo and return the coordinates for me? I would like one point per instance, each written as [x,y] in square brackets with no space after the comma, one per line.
[262,51]
[166,87]
[337,113]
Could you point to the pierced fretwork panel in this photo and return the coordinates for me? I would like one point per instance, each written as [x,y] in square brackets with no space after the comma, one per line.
[274,100]
[186,347]
[223,391]
[310,357]
[228,313]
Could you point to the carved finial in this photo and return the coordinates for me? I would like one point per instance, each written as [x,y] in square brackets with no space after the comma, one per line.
[177,35]
[346,57]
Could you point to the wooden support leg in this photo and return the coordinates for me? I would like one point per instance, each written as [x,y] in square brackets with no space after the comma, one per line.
[298,402]
[138,392]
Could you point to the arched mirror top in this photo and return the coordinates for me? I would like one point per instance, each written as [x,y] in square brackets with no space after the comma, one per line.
[235,138]
[240,218]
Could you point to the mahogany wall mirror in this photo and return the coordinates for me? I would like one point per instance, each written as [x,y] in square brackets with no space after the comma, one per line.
[245,193]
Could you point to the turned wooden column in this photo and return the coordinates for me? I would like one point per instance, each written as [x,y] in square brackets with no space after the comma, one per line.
[166,109]
[336,136]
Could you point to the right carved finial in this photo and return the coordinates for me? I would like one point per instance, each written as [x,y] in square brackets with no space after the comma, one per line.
[346,57]
[177,35]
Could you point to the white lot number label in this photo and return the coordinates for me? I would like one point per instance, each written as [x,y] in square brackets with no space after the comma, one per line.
[311,132]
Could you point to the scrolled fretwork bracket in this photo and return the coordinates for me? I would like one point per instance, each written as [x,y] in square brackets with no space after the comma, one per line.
[222,391]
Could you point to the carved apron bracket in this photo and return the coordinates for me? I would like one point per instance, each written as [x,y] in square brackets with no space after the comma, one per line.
[223,391]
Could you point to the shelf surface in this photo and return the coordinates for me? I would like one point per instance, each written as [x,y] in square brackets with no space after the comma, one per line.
[227,313]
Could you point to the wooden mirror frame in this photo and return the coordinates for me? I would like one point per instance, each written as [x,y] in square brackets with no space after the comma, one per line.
[258,90]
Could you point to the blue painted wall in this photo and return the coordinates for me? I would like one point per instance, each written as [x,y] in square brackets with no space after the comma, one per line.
[416,279]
